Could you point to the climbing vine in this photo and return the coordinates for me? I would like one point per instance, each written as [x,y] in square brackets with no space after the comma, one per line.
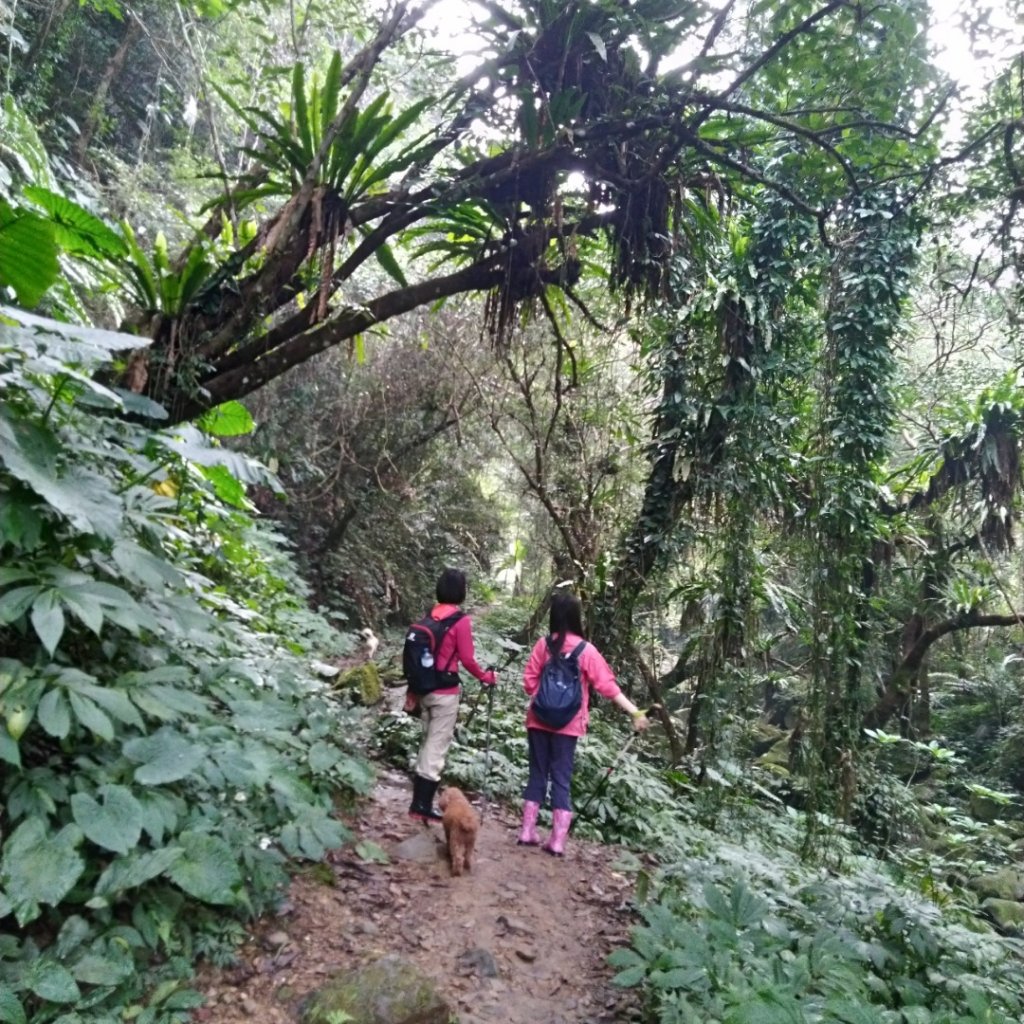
[867,287]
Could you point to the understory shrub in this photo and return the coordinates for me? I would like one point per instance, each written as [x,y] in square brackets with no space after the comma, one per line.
[769,945]
[166,747]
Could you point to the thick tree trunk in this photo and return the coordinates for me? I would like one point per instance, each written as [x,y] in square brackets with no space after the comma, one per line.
[54,16]
[900,683]
[658,709]
[240,372]
[112,70]
[910,713]
[671,487]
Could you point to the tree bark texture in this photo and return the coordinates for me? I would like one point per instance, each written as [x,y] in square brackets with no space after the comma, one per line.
[114,66]
[54,16]
[899,685]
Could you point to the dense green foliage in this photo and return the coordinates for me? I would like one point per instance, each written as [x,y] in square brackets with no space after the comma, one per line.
[711,311]
[166,746]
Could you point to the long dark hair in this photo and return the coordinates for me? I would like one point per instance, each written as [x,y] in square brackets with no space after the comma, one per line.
[566,616]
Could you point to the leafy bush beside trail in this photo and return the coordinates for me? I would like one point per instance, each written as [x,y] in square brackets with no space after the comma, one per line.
[166,748]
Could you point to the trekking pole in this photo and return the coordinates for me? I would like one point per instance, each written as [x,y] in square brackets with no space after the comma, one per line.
[603,781]
[491,668]
[487,751]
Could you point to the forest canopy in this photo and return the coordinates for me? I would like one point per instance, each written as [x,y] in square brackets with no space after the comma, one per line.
[710,311]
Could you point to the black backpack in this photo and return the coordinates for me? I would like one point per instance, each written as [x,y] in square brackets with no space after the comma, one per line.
[560,693]
[419,656]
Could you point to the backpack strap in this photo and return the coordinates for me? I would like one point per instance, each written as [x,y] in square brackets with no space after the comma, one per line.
[446,624]
[573,654]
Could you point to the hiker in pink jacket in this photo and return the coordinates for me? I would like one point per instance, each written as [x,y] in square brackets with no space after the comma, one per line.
[440,708]
[552,751]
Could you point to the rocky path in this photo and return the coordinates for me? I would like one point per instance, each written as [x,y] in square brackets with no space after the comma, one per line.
[521,940]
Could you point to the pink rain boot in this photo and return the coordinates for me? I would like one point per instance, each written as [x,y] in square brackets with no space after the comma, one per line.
[528,836]
[561,820]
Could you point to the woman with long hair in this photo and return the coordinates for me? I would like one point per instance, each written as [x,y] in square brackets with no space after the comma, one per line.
[553,749]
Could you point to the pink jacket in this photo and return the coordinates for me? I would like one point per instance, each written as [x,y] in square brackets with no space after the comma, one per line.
[594,672]
[456,647]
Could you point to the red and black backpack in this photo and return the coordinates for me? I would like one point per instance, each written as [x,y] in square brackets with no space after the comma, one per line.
[419,656]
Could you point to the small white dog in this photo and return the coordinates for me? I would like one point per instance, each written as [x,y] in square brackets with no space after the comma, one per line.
[370,643]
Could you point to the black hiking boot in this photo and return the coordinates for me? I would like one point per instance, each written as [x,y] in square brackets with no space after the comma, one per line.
[422,806]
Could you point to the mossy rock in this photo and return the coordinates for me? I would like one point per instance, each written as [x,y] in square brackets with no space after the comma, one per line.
[364,678]
[905,761]
[984,808]
[764,737]
[1007,914]
[1007,884]
[777,756]
[391,990]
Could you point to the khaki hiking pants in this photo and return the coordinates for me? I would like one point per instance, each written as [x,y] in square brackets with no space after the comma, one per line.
[439,713]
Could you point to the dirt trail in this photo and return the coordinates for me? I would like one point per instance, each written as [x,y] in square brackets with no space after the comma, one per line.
[521,940]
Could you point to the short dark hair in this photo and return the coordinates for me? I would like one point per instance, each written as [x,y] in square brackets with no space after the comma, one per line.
[566,614]
[451,587]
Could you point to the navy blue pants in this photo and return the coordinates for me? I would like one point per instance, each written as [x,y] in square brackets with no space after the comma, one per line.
[551,758]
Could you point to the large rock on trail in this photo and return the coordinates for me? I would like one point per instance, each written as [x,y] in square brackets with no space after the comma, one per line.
[1007,914]
[1005,884]
[365,680]
[391,990]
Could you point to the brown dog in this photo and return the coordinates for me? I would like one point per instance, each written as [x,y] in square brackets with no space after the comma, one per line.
[461,825]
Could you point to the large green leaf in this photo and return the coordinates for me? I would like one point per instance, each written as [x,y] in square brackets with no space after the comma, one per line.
[189,443]
[77,230]
[47,619]
[51,981]
[30,453]
[171,702]
[166,756]
[39,866]
[16,602]
[21,523]
[114,702]
[9,749]
[300,111]
[53,714]
[207,869]
[115,824]
[11,1010]
[28,254]
[108,970]
[143,567]
[72,343]
[225,486]
[386,258]
[130,872]
[161,812]
[95,720]
[230,419]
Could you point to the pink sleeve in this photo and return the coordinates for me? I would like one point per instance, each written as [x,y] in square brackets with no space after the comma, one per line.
[463,631]
[531,674]
[598,673]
